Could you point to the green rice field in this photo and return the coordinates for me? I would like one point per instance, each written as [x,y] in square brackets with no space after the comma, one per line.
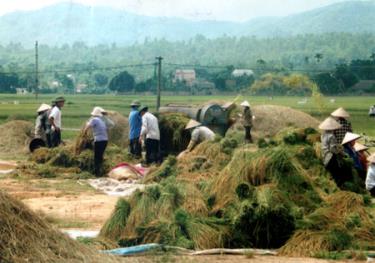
[78,107]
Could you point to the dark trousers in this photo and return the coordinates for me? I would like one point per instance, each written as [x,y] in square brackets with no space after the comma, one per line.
[55,138]
[372,192]
[99,148]
[248,137]
[48,139]
[339,173]
[135,148]
[152,151]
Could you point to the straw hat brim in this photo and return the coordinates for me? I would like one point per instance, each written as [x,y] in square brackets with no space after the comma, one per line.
[349,137]
[43,107]
[245,104]
[192,124]
[329,124]
[371,158]
[340,113]
[358,147]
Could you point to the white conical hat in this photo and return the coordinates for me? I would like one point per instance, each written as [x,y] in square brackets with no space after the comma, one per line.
[371,158]
[329,124]
[102,110]
[245,104]
[360,147]
[96,112]
[192,124]
[349,137]
[43,107]
[340,113]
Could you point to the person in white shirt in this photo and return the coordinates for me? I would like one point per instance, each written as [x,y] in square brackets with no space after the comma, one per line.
[55,121]
[150,131]
[199,134]
[370,178]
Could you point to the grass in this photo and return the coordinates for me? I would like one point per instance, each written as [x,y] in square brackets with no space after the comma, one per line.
[78,107]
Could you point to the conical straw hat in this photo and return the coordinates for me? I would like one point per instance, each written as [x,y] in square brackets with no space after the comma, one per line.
[192,124]
[43,107]
[329,124]
[371,158]
[349,137]
[360,147]
[96,112]
[245,104]
[340,113]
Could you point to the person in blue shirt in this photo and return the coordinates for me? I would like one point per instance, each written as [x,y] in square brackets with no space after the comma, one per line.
[100,132]
[348,144]
[135,126]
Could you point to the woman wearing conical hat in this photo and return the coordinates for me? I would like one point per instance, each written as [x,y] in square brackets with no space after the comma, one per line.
[331,149]
[370,177]
[342,116]
[348,144]
[247,121]
[363,154]
[199,134]
[41,122]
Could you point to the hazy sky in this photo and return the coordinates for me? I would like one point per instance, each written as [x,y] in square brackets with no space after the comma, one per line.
[193,9]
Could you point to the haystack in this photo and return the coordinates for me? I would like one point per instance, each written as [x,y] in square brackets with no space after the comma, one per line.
[118,135]
[342,223]
[15,137]
[270,119]
[227,194]
[173,136]
[25,237]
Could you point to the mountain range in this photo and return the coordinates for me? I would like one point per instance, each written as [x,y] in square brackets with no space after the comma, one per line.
[66,23]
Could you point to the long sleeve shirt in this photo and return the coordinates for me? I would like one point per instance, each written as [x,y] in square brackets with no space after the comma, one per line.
[99,129]
[354,155]
[329,147]
[370,178]
[247,118]
[150,127]
[135,124]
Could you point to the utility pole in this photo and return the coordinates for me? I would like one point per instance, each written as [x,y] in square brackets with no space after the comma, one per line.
[159,83]
[36,70]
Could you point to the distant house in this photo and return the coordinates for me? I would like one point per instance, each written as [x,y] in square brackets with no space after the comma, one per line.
[242,72]
[21,91]
[185,75]
[80,87]
[364,85]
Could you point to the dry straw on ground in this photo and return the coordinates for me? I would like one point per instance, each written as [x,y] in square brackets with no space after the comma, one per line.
[25,237]
[270,119]
[15,137]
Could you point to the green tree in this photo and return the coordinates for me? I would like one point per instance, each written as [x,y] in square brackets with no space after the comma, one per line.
[123,82]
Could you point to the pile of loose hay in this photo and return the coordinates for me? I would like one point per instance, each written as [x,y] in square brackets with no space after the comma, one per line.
[270,119]
[229,195]
[25,237]
[15,137]
[118,135]
[173,136]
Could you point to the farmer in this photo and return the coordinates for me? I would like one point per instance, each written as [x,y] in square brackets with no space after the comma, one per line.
[41,122]
[198,135]
[362,152]
[135,126]
[99,129]
[150,131]
[348,144]
[370,177]
[341,116]
[55,121]
[247,120]
[331,149]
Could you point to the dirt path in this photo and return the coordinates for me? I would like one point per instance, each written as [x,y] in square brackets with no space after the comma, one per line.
[65,203]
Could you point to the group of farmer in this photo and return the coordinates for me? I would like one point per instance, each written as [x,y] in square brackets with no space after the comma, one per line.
[143,130]
[48,122]
[338,143]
